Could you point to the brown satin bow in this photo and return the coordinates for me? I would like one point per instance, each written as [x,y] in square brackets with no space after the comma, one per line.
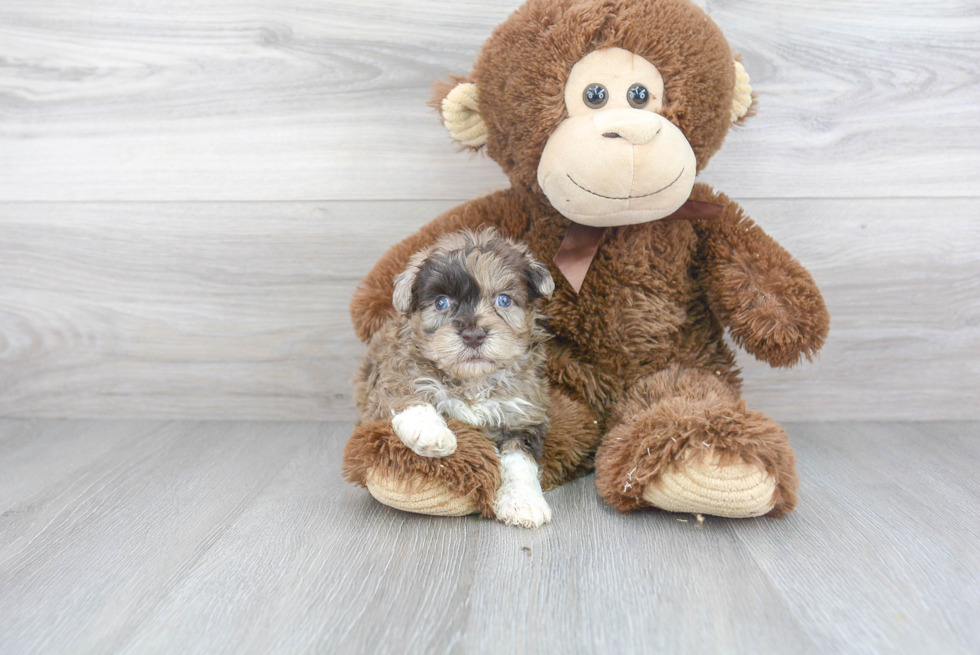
[581,242]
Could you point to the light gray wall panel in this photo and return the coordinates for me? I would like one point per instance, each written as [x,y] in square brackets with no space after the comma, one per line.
[239,310]
[190,191]
[298,100]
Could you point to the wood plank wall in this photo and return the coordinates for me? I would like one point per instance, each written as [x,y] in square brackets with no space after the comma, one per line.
[189,193]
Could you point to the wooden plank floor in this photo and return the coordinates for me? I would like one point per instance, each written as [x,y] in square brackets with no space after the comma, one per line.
[221,537]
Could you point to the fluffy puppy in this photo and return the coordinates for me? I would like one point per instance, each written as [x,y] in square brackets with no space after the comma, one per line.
[467,344]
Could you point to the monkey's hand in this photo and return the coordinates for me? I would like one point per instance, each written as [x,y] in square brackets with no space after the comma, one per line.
[767,299]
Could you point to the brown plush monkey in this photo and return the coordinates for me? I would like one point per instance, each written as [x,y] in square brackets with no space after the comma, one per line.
[601,112]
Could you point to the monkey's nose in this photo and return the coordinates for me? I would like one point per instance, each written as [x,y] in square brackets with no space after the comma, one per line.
[634,125]
[473,337]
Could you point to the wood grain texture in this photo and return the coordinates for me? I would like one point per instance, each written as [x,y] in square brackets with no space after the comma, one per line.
[293,100]
[242,538]
[886,508]
[114,529]
[115,308]
[240,310]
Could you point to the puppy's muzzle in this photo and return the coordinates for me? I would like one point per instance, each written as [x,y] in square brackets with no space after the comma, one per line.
[473,337]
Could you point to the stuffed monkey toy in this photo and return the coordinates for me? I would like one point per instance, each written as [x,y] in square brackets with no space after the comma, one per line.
[601,113]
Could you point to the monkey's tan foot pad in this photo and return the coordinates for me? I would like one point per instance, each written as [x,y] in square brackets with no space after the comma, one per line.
[703,486]
[427,498]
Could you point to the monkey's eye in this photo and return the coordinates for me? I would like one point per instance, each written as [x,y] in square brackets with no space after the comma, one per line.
[503,300]
[595,96]
[637,95]
[442,303]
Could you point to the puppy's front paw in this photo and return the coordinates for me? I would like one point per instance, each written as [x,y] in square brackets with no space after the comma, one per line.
[422,429]
[519,500]
[523,506]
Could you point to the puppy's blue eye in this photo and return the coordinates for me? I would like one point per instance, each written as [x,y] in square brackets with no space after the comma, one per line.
[503,300]
[442,303]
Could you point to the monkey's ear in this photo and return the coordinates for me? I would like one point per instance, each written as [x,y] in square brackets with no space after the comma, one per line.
[403,297]
[742,105]
[458,104]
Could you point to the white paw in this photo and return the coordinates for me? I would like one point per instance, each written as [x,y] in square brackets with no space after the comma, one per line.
[523,506]
[519,500]
[422,429]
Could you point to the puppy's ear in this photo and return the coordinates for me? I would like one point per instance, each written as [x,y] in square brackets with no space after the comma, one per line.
[403,297]
[539,281]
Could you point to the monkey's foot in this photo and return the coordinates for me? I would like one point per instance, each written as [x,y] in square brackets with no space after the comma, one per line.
[429,497]
[703,456]
[456,484]
[705,486]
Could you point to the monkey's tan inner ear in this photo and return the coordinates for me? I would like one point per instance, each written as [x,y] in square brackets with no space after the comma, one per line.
[461,116]
[743,93]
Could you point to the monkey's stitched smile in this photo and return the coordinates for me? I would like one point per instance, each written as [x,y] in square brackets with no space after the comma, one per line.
[652,193]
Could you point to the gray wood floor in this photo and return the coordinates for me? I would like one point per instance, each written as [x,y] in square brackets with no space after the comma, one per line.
[221,537]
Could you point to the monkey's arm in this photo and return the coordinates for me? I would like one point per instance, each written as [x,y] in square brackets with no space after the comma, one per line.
[371,306]
[766,298]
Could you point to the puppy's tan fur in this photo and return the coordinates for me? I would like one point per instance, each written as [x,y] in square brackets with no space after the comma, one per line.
[420,358]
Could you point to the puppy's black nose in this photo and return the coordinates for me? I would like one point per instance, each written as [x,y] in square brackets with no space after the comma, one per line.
[473,336]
